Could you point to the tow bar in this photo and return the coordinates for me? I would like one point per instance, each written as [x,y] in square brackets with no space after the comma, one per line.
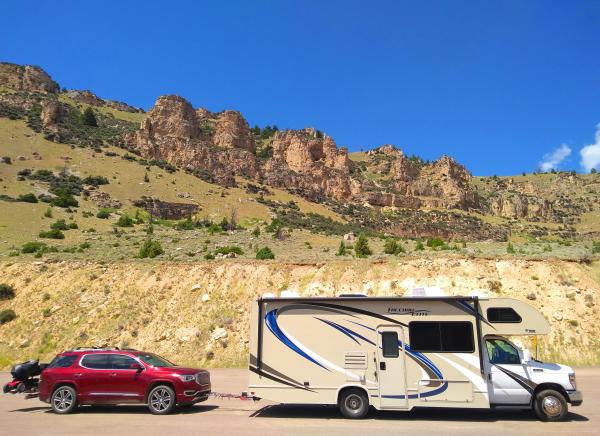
[243,396]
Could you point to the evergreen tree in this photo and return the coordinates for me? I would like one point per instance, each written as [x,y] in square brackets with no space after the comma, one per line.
[342,250]
[361,247]
[88,118]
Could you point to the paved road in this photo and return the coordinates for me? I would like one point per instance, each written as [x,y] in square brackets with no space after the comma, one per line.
[234,417]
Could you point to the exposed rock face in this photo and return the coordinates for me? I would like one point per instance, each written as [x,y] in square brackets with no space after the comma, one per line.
[513,205]
[175,132]
[88,97]
[103,199]
[167,210]
[26,78]
[311,165]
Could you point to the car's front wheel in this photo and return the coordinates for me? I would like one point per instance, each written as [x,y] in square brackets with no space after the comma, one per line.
[353,403]
[550,405]
[161,400]
[64,400]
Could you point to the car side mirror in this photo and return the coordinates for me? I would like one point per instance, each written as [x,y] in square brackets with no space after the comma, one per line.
[526,356]
[136,366]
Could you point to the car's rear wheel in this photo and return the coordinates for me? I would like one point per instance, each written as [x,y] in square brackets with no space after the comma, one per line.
[64,400]
[354,403]
[550,405]
[161,400]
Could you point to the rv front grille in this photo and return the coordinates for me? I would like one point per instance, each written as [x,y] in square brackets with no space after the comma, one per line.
[355,360]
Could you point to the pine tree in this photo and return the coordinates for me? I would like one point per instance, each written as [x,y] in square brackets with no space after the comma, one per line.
[342,250]
[361,247]
[88,118]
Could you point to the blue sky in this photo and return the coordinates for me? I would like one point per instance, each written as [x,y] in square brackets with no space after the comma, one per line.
[502,86]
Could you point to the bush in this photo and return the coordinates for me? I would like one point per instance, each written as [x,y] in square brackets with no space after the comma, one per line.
[435,243]
[391,246]
[125,221]
[256,232]
[27,198]
[7,316]
[85,245]
[64,199]
[419,246]
[48,213]
[7,292]
[214,228]
[209,256]
[32,247]
[103,214]
[52,234]
[265,253]
[596,247]
[73,226]
[59,225]
[186,224]
[361,247]
[230,249]
[95,180]
[150,249]
[510,249]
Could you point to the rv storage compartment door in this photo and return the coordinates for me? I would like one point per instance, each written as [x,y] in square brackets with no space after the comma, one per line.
[391,373]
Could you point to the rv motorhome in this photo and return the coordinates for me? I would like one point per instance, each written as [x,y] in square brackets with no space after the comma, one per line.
[404,352]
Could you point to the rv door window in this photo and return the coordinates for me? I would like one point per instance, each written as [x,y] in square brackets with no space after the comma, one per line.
[503,314]
[502,352]
[441,337]
[389,343]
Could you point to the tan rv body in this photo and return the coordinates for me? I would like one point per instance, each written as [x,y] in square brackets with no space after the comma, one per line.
[307,350]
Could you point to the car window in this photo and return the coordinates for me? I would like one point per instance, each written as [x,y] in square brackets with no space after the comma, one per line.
[119,361]
[96,361]
[501,351]
[154,360]
[62,361]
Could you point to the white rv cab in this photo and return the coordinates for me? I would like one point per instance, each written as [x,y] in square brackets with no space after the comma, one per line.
[398,353]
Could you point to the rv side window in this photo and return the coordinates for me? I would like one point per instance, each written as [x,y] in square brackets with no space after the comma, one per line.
[389,343]
[441,337]
[503,314]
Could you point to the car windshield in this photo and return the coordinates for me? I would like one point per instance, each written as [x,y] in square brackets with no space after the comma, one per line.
[154,360]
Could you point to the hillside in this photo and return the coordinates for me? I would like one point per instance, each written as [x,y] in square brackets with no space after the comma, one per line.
[110,216]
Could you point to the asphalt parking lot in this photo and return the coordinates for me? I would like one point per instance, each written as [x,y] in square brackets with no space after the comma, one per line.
[235,417]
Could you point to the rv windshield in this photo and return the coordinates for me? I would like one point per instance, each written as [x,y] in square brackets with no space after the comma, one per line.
[500,351]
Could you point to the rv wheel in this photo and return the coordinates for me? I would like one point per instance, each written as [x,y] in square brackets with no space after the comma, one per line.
[550,405]
[354,403]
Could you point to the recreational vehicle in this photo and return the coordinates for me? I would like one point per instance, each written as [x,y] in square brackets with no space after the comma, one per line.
[404,352]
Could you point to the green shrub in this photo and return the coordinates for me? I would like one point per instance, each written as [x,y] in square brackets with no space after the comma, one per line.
[95,180]
[596,247]
[85,245]
[265,253]
[436,243]
[510,249]
[209,256]
[7,315]
[150,249]
[361,247]
[27,198]
[230,249]
[64,199]
[125,221]
[73,225]
[52,234]
[419,246]
[256,232]
[214,228]
[46,313]
[7,292]
[48,213]
[391,246]
[32,247]
[186,224]
[59,225]
[103,214]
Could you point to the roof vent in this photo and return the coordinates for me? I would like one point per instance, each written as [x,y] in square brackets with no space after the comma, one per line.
[430,291]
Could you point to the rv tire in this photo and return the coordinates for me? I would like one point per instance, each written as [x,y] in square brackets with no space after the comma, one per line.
[550,405]
[354,403]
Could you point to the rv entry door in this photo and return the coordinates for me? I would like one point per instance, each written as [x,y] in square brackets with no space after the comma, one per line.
[391,373]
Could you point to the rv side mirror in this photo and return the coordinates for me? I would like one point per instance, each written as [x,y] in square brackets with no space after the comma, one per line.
[526,356]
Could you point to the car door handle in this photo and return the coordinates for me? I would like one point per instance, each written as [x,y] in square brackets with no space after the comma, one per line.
[113,374]
[382,366]
[77,374]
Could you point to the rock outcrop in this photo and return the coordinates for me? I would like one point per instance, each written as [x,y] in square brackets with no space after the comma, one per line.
[26,78]
[173,131]
[168,210]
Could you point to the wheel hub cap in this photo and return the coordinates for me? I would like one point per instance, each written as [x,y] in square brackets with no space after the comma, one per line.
[552,406]
[160,400]
[353,402]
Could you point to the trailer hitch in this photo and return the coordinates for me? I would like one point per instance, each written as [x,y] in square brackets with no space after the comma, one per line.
[243,396]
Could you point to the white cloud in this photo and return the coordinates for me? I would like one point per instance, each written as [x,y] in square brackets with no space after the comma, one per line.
[590,154]
[553,159]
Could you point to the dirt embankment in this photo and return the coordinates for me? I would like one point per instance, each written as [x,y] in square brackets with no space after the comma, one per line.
[198,314]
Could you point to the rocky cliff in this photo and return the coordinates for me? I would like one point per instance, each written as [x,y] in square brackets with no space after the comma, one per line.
[26,78]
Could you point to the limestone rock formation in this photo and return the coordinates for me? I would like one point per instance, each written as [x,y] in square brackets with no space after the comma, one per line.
[26,78]
[88,97]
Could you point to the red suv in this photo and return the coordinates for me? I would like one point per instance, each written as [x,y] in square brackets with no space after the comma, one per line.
[113,376]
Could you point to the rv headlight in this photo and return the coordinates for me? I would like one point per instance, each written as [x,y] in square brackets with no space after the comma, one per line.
[186,377]
[572,380]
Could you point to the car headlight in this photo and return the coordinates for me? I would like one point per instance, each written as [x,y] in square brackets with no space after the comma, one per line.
[186,377]
[572,380]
